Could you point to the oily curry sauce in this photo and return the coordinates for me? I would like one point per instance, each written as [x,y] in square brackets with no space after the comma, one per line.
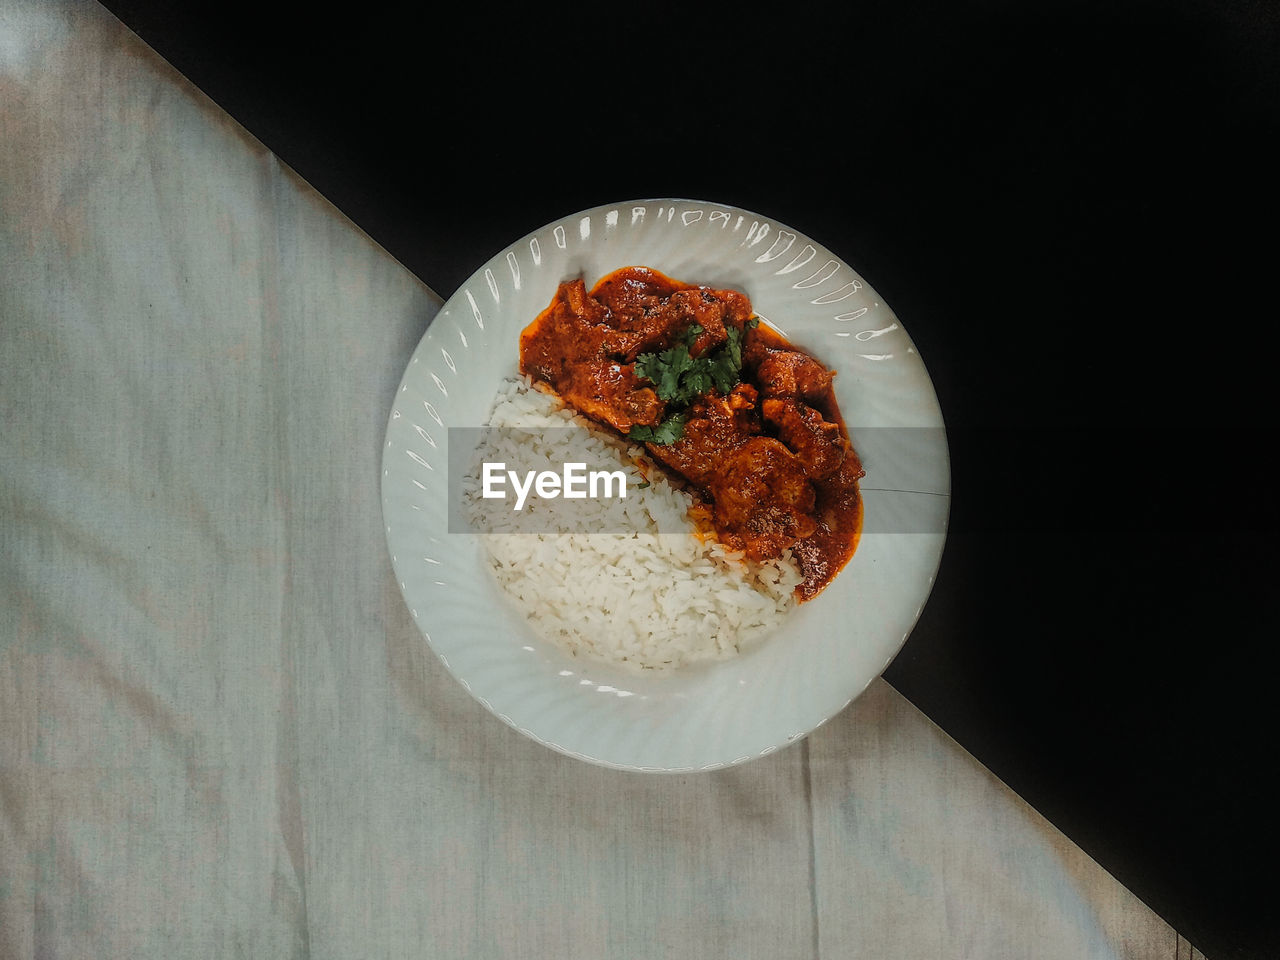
[761,442]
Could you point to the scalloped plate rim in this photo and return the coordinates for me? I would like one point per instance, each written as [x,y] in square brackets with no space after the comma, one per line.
[925,573]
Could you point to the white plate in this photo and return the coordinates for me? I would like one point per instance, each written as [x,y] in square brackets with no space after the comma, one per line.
[707,716]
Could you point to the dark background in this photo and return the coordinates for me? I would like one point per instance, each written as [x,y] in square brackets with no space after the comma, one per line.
[1071,208]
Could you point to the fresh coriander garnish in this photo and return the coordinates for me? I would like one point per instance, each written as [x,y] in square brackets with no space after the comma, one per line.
[668,431]
[679,378]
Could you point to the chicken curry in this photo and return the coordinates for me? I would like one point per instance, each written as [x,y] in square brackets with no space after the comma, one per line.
[748,421]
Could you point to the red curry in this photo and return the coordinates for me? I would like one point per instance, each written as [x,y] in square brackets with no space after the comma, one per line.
[769,456]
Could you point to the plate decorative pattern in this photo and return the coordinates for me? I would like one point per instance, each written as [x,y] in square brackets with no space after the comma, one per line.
[710,716]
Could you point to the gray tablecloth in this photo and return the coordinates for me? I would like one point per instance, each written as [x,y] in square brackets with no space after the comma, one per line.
[221,734]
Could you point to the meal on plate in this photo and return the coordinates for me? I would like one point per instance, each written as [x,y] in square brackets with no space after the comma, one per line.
[715,419]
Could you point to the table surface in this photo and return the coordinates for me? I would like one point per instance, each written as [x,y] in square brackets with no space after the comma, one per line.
[220,730]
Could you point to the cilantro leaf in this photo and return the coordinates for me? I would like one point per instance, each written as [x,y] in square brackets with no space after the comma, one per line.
[668,431]
[679,378]
[725,364]
[696,380]
[663,369]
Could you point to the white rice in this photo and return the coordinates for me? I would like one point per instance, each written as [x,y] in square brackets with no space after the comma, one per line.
[643,599]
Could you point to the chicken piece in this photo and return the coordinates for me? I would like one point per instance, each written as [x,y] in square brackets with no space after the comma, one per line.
[702,308]
[570,347]
[764,502]
[656,311]
[613,394]
[716,425]
[817,443]
[742,397]
[789,373]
